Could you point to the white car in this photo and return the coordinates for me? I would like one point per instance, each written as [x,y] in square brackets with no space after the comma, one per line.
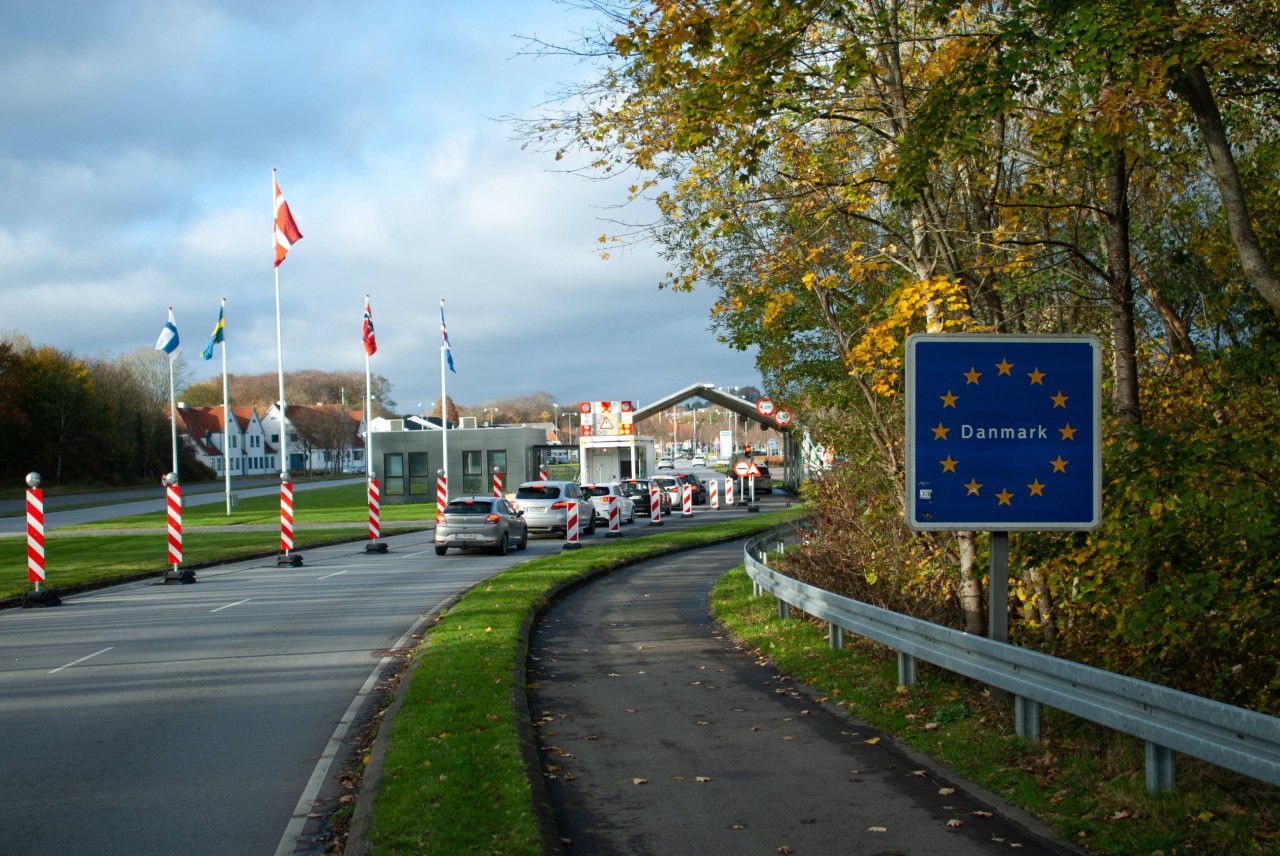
[699,461]
[599,495]
[666,464]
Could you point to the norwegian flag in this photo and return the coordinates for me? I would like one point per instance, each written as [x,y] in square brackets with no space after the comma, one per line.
[370,344]
[286,231]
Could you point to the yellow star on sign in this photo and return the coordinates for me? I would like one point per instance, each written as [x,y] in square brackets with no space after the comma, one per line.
[972,374]
[1059,400]
[1037,377]
[1068,433]
[940,433]
[1059,466]
[1005,366]
[949,400]
[1036,488]
[1005,498]
[973,487]
[949,465]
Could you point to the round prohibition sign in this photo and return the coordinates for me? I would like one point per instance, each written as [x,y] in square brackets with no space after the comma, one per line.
[782,418]
[742,468]
[765,407]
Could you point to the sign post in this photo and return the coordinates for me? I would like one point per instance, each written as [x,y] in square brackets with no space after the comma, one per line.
[1004,433]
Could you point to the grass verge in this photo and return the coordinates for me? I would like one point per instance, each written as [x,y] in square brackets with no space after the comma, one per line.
[78,561]
[1084,781]
[454,778]
[342,504]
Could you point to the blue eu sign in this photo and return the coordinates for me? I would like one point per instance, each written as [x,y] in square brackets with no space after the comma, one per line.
[1003,432]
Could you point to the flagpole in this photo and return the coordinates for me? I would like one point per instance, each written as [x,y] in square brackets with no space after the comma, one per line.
[368,410]
[444,418]
[226,408]
[173,413]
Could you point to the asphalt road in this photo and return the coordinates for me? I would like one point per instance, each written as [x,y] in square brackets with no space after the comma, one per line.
[212,718]
[659,736]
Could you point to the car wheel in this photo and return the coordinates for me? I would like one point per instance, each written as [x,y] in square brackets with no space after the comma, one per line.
[441,549]
[501,549]
[591,527]
[524,542]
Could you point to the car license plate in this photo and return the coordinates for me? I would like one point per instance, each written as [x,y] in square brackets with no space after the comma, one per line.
[537,508]
[468,536]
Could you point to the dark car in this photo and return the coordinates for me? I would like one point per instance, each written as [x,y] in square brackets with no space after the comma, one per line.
[480,521]
[638,491]
[699,487]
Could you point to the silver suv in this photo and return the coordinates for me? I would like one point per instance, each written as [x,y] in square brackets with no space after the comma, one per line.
[546,507]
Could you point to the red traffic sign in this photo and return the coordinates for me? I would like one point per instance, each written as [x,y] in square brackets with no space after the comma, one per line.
[782,418]
[765,406]
[741,468]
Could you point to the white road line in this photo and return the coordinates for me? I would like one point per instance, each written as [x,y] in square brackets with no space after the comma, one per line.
[305,804]
[78,662]
[229,605]
[335,574]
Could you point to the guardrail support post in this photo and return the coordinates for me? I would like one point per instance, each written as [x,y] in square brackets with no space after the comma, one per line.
[1161,772]
[784,609]
[1026,718]
[906,669]
[835,636]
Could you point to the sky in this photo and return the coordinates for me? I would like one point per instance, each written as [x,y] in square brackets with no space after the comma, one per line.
[135,174]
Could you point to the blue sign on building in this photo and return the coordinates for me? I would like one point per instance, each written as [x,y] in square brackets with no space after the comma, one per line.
[1003,432]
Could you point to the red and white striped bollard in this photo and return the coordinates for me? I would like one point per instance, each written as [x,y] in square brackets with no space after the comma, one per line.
[35,536]
[571,526]
[173,502]
[713,493]
[655,505]
[728,491]
[542,474]
[286,517]
[686,500]
[442,493]
[375,510]
[497,483]
[615,522]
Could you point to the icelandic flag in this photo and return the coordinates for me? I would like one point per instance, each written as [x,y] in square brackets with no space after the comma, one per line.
[444,336]
[168,341]
[216,337]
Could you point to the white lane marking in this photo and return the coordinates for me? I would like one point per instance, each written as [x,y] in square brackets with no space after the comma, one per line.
[81,660]
[335,574]
[307,801]
[229,605]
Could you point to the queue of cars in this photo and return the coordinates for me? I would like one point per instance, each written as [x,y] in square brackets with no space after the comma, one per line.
[543,508]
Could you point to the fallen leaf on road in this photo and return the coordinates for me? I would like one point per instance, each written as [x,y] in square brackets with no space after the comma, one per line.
[954,824]
[982,814]
[702,778]
[873,741]
[877,829]
[639,781]
[920,773]
[946,792]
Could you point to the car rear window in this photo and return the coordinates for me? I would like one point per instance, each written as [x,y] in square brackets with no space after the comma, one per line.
[538,491]
[594,490]
[469,506]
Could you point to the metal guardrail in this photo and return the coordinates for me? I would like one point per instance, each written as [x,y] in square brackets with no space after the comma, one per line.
[1170,721]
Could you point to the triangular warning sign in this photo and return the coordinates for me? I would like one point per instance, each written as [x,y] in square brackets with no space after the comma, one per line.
[753,470]
[606,424]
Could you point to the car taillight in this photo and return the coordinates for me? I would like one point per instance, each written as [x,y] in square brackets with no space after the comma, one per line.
[492,518]
[439,519]
[561,504]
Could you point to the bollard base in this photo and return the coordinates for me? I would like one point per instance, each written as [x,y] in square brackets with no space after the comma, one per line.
[655,522]
[375,547]
[753,507]
[686,514]
[289,560]
[571,545]
[182,576]
[612,534]
[40,599]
